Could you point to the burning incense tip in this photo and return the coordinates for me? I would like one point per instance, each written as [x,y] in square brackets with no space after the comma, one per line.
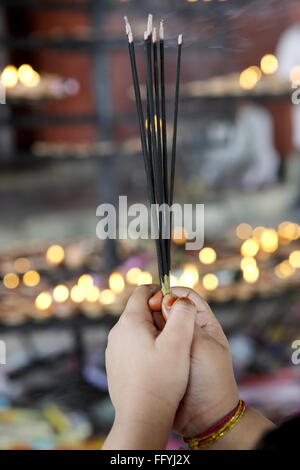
[149,24]
[154,35]
[127,25]
[161,30]
[180,39]
[145,35]
[130,37]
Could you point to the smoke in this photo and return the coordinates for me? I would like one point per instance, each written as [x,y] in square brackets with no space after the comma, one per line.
[229,18]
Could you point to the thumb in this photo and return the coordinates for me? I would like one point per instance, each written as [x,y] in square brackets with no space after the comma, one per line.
[180,325]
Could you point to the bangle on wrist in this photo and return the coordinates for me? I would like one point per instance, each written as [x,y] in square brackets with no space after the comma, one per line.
[218,430]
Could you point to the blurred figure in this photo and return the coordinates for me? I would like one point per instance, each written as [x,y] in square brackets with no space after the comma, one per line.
[288,54]
[250,157]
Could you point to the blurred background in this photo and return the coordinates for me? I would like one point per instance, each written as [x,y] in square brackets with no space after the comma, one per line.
[69,141]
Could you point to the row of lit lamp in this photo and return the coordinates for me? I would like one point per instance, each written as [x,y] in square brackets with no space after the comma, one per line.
[25,75]
[251,75]
[268,65]
[86,290]
[255,239]
[268,240]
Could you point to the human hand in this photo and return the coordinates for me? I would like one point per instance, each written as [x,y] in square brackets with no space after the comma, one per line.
[147,371]
[212,391]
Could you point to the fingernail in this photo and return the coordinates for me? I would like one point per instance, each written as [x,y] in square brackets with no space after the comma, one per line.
[168,301]
[186,299]
[157,295]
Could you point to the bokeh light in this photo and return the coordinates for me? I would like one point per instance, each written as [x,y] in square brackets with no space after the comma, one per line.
[248,263]
[116,282]
[251,276]
[21,265]
[55,254]
[249,248]
[77,294]
[179,236]
[269,64]
[284,269]
[210,281]
[174,281]
[243,231]
[85,281]
[60,293]
[31,278]
[295,74]
[256,70]
[189,277]
[207,255]
[289,230]
[35,80]
[248,79]
[11,280]
[144,278]
[294,259]
[92,295]
[43,301]
[269,240]
[107,297]
[9,76]
[257,232]
[132,275]
[25,74]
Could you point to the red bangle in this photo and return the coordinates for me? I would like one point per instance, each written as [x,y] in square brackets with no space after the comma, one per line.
[220,425]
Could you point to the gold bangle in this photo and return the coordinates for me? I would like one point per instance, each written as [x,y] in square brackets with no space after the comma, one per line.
[200,443]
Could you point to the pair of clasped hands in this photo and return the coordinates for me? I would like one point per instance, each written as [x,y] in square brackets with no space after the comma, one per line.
[169,367]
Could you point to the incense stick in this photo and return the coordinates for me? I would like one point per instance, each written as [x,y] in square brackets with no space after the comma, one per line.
[163,111]
[148,167]
[154,138]
[155,158]
[175,120]
[157,106]
[164,177]
[164,136]
[173,161]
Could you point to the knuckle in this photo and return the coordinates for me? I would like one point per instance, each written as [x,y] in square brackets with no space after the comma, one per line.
[111,335]
[143,288]
[183,307]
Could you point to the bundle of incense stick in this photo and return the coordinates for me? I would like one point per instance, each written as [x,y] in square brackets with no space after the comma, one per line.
[153,130]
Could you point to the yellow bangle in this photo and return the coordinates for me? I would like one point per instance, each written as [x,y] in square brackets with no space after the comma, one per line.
[197,443]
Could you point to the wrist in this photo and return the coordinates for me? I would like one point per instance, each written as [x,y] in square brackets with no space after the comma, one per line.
[204,419]
[245,434]
[140,432]
[146,408]
[151,417]
[219,429]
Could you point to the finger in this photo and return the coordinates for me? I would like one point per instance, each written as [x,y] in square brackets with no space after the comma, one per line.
[137,306]
[179,328]
[205,318]
[159,320]
[155,302]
